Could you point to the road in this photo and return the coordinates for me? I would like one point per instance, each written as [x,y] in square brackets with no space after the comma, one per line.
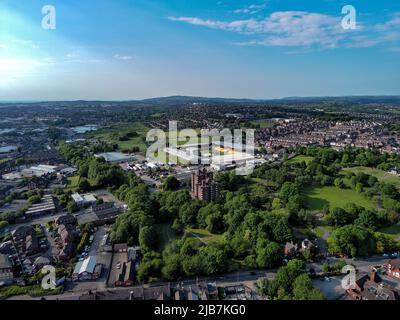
[42,220]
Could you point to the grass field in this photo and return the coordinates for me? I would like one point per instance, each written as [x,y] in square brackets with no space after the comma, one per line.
[392,231]
[204,236]
[4,160]
[318,197]
[379,174]
[109,135]
[72,183]
[263,123]
[165,234]
[301,158]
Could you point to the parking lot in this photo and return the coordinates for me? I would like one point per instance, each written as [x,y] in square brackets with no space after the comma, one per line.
[118,259]
[103,258]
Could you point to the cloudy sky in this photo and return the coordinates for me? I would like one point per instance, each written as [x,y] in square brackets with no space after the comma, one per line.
[132,49]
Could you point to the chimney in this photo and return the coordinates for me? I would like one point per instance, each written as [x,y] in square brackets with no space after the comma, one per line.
[373,276]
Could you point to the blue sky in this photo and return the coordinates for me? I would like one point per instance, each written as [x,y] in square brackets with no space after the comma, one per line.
[132,49]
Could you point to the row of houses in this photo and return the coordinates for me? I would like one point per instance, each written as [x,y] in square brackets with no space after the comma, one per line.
[67,236]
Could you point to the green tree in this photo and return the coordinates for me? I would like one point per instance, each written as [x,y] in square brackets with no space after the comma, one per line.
[303,289]
[171,184]
[84,185]
[72,207]
[269,254]
[148,238]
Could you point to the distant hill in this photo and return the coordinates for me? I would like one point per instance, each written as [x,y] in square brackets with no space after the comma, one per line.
[183,100]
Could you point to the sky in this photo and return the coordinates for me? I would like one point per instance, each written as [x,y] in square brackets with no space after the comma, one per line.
[135,49]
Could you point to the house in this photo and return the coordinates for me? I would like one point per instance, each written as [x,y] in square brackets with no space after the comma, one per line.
[87,269]
[68,235]
[120,247]
[106,210]
[6,270]
[157,293]
[67,219]
[31,245]
[22,232]
[26,240]
[393,269]
[306,245]
[200,291]
[371,287]
[6,248]
[105,244]
[40,262]
[38,183]
[291,249]
[127,259]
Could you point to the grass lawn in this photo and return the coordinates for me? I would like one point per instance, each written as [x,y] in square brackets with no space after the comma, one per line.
[72,183]
[263,123]
[380,174]
[301,158]
[318,197]
[108,135]
[392,231]
[204,235]
[4,160]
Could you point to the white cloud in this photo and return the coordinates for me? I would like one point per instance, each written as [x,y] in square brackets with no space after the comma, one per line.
[122,57]
[388,25]
[3,46]
[251,9]
[72,56]
[76,58]
[26,43]
[302,29]
[394,49]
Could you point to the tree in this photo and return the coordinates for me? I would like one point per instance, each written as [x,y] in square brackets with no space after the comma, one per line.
[171,184]
[303,289]
[150,267]
[172,269]
[72,207]
[286,276]
[3,224]
[34,199]
[282,232]
[367,219]
[339,217]
[148,238]
[339,183]
[84,185]
[268,254]
[352,240]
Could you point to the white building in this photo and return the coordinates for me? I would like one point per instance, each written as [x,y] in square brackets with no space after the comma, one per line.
[82,200]
[115,157]
[87,269]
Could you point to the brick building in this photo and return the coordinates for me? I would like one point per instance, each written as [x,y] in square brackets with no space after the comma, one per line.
[203,186]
